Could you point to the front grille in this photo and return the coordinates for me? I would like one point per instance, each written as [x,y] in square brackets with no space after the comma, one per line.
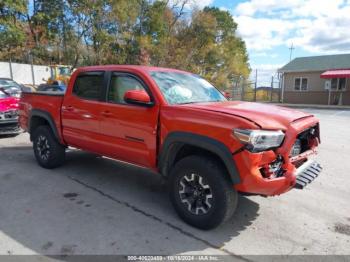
[9,115]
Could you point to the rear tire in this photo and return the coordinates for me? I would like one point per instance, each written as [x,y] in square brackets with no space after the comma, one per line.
[48,152]
[201,193]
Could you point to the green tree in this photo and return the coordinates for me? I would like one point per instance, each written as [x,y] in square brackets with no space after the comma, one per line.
[159,33]
[12,33]
[217,53]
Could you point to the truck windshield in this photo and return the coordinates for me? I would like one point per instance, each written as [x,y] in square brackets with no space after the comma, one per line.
[185,88]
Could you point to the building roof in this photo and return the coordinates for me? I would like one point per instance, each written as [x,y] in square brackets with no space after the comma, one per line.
[317,63]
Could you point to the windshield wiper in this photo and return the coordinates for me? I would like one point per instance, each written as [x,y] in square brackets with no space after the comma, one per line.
[193,102]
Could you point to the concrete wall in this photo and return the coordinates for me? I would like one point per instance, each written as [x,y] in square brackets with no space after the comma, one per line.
[22,73]
[316,93]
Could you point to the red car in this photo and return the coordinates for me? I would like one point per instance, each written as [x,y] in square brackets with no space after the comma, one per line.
[8,114]
[179,125]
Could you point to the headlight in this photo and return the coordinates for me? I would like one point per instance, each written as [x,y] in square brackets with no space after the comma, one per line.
[259,140]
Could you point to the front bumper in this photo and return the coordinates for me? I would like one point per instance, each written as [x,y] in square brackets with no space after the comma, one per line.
[254,183]
[297,171]
[9,127]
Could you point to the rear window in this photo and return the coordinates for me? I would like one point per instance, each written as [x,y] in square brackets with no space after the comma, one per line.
[89,86]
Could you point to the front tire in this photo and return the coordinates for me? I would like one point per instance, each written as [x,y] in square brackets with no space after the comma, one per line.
[48,152]
[201,193]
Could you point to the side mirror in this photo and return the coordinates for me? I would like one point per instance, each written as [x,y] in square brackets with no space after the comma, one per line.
[138,97]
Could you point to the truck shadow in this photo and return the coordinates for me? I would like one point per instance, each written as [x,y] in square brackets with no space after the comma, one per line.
[117,186]
[6,136]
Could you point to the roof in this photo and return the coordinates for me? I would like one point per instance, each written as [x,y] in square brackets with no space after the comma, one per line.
[317,63]
[129,67]
[336,74]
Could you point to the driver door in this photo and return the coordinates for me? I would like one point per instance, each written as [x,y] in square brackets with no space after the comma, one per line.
[128,131]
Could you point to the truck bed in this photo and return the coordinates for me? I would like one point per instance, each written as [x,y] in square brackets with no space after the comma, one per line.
[45,101]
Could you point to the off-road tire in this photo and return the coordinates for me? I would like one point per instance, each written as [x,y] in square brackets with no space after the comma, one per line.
[54,155]
[224,196]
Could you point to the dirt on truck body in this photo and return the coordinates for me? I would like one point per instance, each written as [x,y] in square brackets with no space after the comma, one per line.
[179,125]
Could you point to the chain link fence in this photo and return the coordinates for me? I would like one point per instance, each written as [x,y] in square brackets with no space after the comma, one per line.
[246,90]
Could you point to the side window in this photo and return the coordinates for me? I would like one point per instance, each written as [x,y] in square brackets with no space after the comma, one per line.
[300,84]
[334,83]
[338,83]
[119,86]
[89,86]
[297,84]
[304,84]
[342,84]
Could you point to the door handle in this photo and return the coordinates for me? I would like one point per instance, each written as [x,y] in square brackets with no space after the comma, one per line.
[106,113]
[69,108]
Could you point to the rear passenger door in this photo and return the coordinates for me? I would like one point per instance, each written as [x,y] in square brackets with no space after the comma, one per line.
[129,131]
[81,111]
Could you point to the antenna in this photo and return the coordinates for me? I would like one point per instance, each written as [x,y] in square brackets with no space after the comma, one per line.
[291,51]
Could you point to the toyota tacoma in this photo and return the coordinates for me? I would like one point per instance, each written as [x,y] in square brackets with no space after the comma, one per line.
[179,125]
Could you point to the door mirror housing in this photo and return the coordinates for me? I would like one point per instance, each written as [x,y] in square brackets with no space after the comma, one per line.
[138,97]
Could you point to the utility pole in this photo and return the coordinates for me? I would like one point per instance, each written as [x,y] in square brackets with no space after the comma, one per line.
[291,52]
[32,68]
[256,83]
[271,95]
[10,65]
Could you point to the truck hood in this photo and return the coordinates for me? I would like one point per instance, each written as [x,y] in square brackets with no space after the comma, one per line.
[264,115]
[8,103]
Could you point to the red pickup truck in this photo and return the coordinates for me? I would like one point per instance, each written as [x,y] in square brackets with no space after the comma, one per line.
[179,125]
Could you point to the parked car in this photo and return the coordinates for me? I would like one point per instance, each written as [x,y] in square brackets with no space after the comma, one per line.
[55,87]
[12,87]
[8,114]
[179,125]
